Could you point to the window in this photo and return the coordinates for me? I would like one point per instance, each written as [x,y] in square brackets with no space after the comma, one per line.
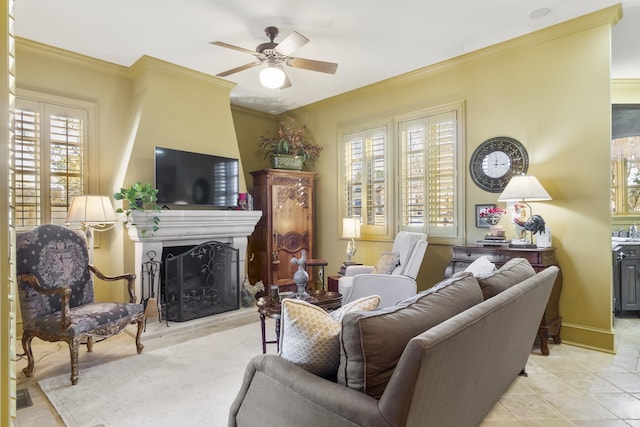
[625,159]
[625,176]
[428,146]
[365,181]
[49,159]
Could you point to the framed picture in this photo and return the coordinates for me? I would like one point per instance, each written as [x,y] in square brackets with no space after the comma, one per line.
[480,222]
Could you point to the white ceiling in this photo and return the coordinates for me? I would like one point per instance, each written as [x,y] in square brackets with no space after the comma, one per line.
[371,40]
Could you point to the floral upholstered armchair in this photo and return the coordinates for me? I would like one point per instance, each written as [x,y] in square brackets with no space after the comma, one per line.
[55,286]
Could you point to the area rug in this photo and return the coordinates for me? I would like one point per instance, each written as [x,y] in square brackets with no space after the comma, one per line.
[187,384]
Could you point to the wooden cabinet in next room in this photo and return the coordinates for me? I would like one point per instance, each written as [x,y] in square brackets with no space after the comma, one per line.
[286,199]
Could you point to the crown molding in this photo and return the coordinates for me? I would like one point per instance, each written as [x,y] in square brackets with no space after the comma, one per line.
[66,56]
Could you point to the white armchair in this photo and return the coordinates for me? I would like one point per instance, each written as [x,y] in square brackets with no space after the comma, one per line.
[359,280]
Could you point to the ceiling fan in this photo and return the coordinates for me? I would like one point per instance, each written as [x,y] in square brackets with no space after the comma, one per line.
[276,54]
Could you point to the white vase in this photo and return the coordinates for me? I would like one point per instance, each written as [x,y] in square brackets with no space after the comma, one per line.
[496,230]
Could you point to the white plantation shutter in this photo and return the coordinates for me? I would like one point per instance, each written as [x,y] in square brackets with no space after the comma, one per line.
[429,146]
[49,164]
[428,162]
[376,181]
[353,179]
[27,169]
[413,175]
[441,178]
[365,182]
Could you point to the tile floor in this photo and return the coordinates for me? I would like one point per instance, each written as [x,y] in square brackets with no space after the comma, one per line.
[570,387]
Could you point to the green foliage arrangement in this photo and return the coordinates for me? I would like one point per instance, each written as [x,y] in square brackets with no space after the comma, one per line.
[139,197]
[290,139]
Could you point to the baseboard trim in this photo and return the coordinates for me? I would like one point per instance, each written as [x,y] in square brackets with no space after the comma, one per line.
[587,337]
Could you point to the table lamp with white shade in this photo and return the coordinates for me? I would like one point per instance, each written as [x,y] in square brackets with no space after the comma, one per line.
[350,230]
[94,213]
[524,189]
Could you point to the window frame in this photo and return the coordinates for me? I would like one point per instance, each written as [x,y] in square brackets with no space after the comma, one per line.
[369,231]
[393,171]
[52,104]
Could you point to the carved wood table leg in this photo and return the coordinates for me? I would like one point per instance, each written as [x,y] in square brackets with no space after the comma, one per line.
[544,341]
[262,328]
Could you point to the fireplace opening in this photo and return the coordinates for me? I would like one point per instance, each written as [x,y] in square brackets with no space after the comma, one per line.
[199,281]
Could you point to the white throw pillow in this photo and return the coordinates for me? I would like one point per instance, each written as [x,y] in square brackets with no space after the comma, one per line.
[310,336]
[481,267]
[387,263]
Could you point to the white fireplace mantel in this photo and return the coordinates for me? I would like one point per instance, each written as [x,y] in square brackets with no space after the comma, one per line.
[191,228]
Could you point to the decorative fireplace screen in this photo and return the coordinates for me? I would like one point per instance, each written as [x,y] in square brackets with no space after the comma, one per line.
[201,282]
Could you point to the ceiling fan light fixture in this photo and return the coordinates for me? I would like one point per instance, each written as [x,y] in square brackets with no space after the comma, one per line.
[272,77]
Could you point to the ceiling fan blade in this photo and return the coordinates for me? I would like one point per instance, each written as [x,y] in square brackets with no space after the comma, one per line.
[238,69]
[230,46]
[313,65]
[290,43]
[287,82]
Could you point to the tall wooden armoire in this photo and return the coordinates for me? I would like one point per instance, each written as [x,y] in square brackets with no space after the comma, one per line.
[286,199]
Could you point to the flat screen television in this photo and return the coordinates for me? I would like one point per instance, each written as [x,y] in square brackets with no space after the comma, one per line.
[184,178]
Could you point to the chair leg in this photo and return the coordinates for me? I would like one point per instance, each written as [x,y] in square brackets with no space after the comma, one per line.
[26,346]
[89,343]
[139,345]
[74,346]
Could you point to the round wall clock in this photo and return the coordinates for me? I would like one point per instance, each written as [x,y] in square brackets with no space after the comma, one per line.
[495,161]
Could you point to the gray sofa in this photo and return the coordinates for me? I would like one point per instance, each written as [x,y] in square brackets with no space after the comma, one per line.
[466,353]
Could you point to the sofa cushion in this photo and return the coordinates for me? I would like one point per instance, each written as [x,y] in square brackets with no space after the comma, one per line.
[481,266]
[309,334]
[387,263]
[371,343]
[513,271]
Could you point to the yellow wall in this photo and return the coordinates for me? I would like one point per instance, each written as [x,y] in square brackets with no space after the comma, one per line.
[551,91]
[250,125]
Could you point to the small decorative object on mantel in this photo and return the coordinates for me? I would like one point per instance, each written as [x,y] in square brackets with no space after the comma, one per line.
[290,147]
[492,217]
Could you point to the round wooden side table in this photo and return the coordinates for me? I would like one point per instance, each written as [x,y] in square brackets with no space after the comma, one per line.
[270,307]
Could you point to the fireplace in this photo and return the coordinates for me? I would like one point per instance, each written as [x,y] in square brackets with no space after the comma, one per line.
[192,229]
[200,282]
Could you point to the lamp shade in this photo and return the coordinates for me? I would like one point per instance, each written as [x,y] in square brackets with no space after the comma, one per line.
[524,188]
[272,77]
[350,228]
[91,210]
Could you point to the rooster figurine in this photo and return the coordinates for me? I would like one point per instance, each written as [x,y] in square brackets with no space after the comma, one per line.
[534,224]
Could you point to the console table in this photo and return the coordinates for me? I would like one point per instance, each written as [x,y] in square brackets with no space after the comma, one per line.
[540,258]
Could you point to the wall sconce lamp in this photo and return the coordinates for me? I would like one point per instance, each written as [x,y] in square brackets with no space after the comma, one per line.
[523,189]
[94,213]
[350,230]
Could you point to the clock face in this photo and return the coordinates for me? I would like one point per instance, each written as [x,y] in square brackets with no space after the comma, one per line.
[496,164]
[495,161]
